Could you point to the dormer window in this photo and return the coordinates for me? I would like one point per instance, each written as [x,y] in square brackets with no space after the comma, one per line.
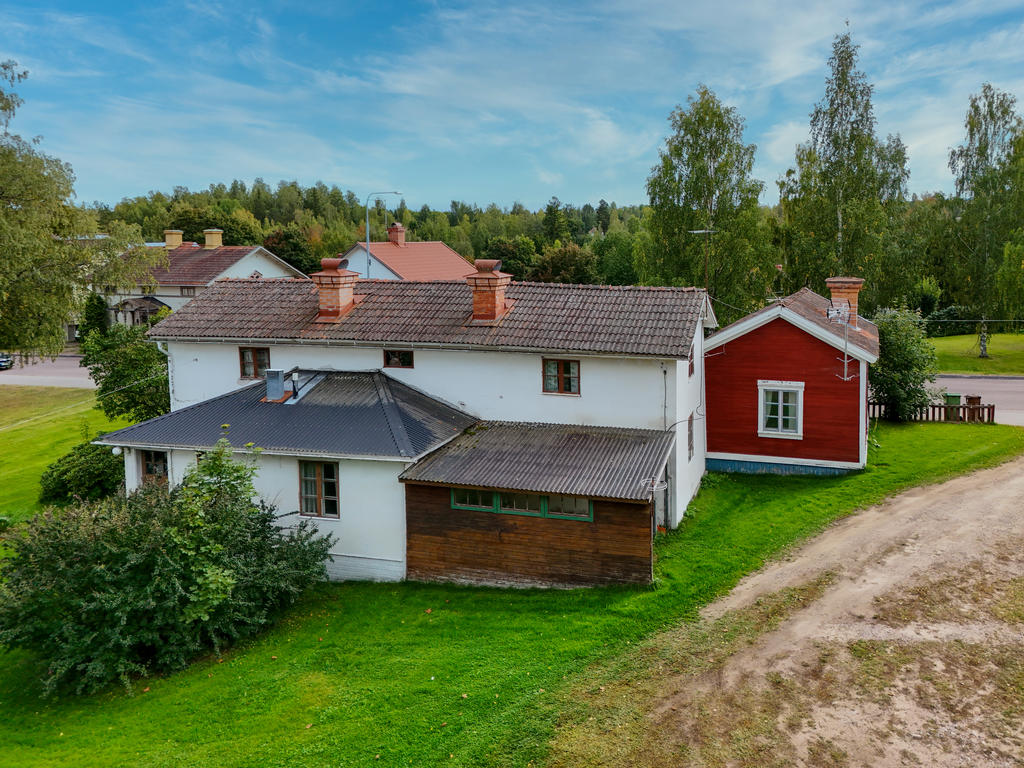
[188,290]
[253,361]
[561,377]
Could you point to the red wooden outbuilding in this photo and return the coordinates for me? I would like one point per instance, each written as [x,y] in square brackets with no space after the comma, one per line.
[787,386]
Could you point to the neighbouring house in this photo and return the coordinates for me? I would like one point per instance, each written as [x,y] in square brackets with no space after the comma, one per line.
[787,386]
[476,429]
[190,269]
[396,259]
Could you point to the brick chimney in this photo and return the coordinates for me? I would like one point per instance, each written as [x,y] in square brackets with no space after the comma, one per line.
[489,286]
[396,234]
[214,238]
[335,284]
[844,292]
[172,239]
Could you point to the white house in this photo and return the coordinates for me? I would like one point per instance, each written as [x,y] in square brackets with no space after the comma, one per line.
[190,269]
[395,259]
[478,429]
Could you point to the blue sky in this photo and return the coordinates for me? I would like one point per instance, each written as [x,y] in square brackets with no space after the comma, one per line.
[475,101]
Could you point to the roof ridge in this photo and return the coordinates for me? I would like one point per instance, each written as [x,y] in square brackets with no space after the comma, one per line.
[392,415]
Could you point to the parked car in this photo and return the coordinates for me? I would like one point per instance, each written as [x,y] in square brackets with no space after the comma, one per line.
[6,361]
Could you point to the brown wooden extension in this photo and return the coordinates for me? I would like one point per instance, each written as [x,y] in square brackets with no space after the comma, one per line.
[445,544]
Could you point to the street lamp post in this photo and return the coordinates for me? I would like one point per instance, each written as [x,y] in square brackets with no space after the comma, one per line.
[366,205]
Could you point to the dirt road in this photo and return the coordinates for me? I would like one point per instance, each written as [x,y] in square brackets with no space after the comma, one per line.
[914,655]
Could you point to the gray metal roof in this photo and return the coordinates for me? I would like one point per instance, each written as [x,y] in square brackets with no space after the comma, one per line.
[601,462]
[362,413]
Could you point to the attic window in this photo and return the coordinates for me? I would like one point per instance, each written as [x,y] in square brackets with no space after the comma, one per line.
[398,358]
[253,361]
[188,290]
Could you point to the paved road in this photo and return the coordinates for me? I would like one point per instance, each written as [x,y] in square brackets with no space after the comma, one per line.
[62,372]
[1007,394]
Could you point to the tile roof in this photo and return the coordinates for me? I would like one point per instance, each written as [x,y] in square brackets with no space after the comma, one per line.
[193,265]
[431,260]
[554,317]
[601,462]
[365,413]
[814,307]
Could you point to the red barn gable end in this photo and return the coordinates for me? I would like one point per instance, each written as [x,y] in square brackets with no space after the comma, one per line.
[792,346]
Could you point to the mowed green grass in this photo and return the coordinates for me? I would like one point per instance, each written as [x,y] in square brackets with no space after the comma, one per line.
[959,354]
[415,674]
[37,426]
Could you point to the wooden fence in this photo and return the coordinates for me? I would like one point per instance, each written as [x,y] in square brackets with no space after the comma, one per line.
[967,414]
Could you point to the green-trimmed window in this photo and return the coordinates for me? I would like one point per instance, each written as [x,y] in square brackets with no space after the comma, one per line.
[521,503]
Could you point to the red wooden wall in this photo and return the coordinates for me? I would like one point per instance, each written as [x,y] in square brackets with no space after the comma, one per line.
[781,351]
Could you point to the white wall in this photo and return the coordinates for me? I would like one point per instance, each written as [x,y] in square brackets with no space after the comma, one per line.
[371,267]
[620,392]
[689,398]
[370,531]
[258,261]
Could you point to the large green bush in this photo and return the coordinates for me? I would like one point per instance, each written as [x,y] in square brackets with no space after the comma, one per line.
[87,472]
[906,364]
[109,590]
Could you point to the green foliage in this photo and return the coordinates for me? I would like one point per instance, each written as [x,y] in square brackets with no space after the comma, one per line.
[239,225]
[293,245]
[614,254]
[87,472]
[130,372]
[105,591]
[1010,277]
[842,202]
[604,216]
[703,182]
[518,255]
[49,252]
[565,264]
[556,225]
[925,296]
[906,364]
[953,320]
[95,315]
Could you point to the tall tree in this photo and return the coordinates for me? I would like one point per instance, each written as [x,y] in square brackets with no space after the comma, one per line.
[846,192]
[705,226]
[50,250]
[989,171]
[556,226]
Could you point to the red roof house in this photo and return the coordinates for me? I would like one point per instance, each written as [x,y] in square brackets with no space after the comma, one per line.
[398,260]
[787,385]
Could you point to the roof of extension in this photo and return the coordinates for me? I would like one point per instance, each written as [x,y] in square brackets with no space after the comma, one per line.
[352,414]
[600,462]
[192,264]
[812,308]
[430,260]
[548,317]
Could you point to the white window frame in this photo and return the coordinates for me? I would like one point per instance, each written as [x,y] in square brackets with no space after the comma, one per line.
[764,385]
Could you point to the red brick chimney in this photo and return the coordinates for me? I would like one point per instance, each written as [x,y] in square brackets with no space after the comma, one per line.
[396,234]
[844,292]
[489,286]
[336,288]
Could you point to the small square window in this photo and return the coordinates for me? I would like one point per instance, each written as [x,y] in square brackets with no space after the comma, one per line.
[780,409]
[188,290]
[398,358]
[472,498]
[521,503]
[573,507]
[154,467]
[561,376]
[253,361]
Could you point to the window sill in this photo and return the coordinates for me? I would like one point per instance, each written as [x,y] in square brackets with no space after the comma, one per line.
[781,435]
[562,394]
[331,518]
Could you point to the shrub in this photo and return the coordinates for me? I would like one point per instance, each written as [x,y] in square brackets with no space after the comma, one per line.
[951,321]
[126,586]
[87,472]
[906,364]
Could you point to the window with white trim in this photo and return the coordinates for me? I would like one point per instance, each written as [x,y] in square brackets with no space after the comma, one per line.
[780,409]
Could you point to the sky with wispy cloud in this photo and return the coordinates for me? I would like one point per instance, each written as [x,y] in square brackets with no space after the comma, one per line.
[477,101]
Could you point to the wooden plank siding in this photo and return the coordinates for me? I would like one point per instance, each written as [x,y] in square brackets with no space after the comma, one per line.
[445,544]
[781,351]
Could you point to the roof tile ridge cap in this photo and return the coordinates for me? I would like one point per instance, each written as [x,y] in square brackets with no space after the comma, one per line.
[167,415]
[392,414]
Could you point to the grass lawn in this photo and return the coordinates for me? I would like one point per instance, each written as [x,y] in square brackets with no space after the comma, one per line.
[359,670]
[959,354]
[37,426]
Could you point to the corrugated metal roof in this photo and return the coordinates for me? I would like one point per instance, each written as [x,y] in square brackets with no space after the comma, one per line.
[601,462]
[342,414]
[631,320]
